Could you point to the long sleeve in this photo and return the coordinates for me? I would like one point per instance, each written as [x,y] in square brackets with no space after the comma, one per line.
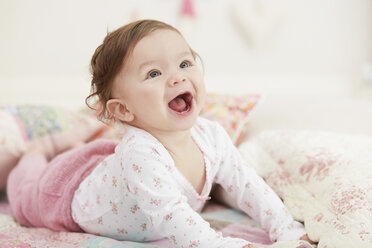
[252,194]
[149,180]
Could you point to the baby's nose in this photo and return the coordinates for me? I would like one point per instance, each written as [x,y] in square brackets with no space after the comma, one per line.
[176,79]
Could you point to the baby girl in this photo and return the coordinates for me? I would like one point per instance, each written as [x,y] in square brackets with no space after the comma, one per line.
[152,184]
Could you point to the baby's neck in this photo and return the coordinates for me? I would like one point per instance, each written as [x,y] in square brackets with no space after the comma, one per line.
[176,141]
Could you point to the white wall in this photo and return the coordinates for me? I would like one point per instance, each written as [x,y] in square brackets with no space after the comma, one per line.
[312,47]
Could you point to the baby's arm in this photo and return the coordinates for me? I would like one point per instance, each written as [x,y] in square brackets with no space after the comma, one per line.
[252,194]
[151,183]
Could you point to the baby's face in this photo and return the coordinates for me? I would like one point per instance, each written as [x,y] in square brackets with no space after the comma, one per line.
[161,84]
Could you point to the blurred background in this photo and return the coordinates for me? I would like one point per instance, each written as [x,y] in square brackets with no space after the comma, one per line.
[273,47]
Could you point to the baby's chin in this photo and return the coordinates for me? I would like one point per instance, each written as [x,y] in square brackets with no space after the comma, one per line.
[168,125]
[186,124]
[183,124]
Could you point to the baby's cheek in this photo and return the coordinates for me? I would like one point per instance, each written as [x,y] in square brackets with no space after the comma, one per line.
[202,94]
[152,97]
[151,94]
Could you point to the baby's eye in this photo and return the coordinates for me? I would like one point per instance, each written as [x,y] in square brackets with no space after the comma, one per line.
[185,64]
[153,74]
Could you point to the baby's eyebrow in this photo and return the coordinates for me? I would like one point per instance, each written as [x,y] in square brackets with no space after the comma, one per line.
[146,63]
[149,62]
[184,54]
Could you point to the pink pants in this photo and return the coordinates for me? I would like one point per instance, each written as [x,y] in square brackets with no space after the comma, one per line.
[40,193]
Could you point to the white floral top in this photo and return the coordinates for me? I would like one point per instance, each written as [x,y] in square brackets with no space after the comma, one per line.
[138,194]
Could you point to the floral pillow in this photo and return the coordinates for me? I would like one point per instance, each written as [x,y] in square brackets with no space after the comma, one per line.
[58,129]
[232,112]
[19,124]
[26,122]
[36,120]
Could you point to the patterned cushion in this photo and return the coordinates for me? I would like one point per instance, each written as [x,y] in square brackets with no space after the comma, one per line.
[20,124]
[35,120]
[232,112]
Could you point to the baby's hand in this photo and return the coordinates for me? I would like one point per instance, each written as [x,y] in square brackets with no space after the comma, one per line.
[306,238]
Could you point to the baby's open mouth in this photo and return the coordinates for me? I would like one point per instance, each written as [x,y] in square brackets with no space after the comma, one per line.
[181,103]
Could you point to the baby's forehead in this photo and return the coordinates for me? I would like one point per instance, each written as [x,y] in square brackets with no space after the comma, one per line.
[160,38]
[159,44]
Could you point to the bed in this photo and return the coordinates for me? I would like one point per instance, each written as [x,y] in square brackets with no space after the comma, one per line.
[315,154]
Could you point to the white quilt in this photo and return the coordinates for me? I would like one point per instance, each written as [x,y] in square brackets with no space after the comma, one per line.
[325,179]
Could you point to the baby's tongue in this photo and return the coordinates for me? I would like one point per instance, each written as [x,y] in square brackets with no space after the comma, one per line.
[177,104]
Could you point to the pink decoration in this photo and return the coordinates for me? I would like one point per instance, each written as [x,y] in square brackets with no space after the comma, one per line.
[187,8]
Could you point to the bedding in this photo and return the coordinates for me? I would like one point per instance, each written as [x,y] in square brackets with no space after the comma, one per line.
[324,178]
[56,128]
[229,221]
[232,112]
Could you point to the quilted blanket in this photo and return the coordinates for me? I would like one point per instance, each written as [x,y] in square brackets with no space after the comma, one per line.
[229,221]
[325,179]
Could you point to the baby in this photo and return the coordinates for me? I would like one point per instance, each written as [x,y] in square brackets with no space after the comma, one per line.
[153,183]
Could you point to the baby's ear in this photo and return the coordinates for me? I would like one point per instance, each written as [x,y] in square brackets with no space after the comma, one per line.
[119,110]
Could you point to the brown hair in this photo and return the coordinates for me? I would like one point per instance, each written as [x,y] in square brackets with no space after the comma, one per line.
[109,57]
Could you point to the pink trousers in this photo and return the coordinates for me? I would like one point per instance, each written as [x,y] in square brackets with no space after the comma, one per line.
[40,193]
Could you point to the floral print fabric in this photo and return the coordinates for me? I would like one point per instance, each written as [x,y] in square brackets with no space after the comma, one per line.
[325,179]
[232,112]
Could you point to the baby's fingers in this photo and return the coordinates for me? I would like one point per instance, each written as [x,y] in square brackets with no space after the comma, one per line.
[306,238]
